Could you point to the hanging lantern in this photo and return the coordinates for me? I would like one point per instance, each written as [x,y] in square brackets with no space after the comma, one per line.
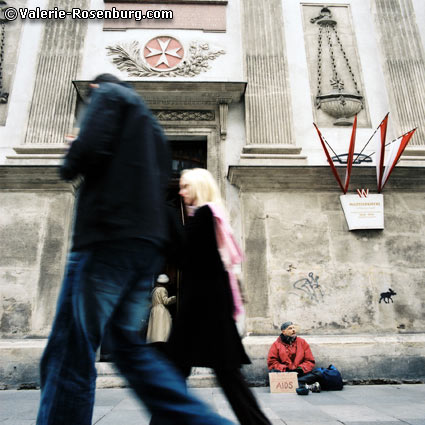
[3,95]
[333,98]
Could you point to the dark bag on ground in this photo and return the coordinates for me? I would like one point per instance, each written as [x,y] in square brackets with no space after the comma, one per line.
[330,379]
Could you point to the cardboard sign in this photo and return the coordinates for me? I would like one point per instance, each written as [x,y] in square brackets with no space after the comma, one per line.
[285,382]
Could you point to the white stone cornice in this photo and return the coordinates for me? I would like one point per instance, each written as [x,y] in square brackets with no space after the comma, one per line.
[167,94]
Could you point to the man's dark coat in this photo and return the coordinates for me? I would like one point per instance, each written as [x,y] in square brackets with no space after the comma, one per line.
[123,155]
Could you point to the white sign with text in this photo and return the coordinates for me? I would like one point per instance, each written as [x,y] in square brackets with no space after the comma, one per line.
[363,211]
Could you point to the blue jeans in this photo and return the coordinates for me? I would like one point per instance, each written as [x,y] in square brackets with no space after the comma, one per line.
[109,285]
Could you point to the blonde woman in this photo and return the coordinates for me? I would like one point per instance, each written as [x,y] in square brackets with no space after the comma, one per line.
[204,333]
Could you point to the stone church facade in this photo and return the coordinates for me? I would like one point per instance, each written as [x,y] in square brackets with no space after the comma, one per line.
[237,85]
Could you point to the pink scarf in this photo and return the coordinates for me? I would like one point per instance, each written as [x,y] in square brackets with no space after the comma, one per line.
[230,254]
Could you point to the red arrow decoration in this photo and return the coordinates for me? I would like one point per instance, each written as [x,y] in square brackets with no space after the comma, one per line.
[397,149]
[332,165]
[380,151]
[344,187]
[350,155]
[382,175]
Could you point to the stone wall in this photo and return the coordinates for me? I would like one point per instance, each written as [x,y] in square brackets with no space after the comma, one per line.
[302,263]
[35,218]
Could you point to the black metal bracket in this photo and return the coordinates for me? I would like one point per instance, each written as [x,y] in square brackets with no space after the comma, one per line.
[359,158]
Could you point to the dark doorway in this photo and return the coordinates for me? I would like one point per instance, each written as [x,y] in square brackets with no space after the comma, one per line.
[185,154]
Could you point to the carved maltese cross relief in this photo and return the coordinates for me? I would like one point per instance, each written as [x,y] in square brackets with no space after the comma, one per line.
[163,53]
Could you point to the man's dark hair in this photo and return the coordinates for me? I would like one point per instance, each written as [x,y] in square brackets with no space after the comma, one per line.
[106,78]
[103,78]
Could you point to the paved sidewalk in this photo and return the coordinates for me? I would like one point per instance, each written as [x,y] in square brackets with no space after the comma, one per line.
[355,405]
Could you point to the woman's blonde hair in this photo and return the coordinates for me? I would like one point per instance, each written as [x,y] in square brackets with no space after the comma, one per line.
[202,186]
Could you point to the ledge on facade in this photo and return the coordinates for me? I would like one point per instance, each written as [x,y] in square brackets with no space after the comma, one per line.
[272,149]
[33,177]
[41,149]
[272,155]
[32,154]
[358,357]
[310,177]
[181,94]
[413,156]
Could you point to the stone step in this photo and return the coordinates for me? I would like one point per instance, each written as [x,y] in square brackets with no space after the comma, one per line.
[360,358]
[202,377]
[109,377]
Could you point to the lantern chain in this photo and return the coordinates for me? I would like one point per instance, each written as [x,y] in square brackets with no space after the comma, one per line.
[346,61]
[336,81]
[319,62]
[3,95]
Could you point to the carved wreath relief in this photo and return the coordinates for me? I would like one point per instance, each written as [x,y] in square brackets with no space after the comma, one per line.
[163,57]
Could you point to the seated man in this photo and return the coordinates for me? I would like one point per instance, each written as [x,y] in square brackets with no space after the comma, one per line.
[290,353]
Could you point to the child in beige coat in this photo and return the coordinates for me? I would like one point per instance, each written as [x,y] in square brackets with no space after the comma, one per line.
[160,318]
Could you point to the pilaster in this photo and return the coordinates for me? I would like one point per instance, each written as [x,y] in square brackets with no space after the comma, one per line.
[51,114]
[269,122]
[404,65]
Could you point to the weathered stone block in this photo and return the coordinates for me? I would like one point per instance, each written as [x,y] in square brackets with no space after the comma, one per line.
[35,224]
[302,263]
[20,228]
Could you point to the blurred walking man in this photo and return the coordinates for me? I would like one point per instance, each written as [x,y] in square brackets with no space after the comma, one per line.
[119,231]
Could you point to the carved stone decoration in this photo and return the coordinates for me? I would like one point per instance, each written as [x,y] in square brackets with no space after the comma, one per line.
[224,110]
[127,58]
[163,53]
[340,106]
[337,101]
[170,115]
[3,95]
[59,59]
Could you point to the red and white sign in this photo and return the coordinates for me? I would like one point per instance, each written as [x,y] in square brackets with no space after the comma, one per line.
[163,53]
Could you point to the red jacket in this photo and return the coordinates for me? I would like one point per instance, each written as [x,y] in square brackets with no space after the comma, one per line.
[286,357]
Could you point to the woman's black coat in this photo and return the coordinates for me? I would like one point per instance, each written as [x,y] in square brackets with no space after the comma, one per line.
[204,332]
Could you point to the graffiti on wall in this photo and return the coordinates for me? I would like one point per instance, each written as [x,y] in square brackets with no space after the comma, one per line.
[387,296]
[311,287]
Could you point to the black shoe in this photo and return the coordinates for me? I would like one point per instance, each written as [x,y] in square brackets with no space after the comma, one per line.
[303,390]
